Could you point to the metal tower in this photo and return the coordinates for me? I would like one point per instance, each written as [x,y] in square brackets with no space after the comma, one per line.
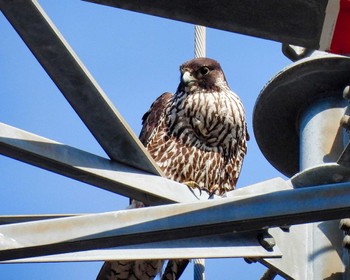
[302,138]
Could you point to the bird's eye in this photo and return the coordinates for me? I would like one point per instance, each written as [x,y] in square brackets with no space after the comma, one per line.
[204,70]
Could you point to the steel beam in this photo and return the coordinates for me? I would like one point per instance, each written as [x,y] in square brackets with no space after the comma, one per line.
[85,167]
[272,185]
[13,219]
[269,186]
[103,173]
[76,84]
[176,221]
[221,246]
[300,22]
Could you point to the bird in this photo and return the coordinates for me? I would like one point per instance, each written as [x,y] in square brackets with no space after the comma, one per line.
[197,136]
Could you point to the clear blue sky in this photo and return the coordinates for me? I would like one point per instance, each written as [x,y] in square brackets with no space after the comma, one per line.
[134,58]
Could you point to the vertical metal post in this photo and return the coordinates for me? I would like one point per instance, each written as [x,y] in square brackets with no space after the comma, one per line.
[321,141]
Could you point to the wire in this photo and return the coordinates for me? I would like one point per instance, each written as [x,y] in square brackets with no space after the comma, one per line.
[199,269]
[199,41]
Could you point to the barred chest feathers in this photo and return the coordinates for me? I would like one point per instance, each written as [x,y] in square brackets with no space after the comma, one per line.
[207,120]
[200,134]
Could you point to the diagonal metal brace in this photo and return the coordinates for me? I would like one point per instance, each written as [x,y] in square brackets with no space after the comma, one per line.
[76,84]
[85,167]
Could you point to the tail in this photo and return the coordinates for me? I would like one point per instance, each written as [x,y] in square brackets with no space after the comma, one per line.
[130,270]
[174,269]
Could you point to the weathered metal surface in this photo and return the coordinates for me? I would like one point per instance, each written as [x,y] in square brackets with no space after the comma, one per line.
[317,245]
[269,186]
[221,246]
[321,136]
[272,185]
[299,22]
[76,83]
[321,141]
[13,219]
[344,158]
[85,167]
[329,173]
[293,245]
[296,86]
[176,221]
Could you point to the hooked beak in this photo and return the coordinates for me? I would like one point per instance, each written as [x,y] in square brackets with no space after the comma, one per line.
[187,78]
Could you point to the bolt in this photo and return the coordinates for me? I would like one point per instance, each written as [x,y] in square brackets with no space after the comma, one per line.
[285,228]
[346,92]
[266,240]
[344,224]
[250,260]
[345,121]
[346,242]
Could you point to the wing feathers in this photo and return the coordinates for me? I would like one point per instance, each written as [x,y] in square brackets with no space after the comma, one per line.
[151,118]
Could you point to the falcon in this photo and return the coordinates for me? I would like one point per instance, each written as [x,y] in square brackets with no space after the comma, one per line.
[198,134]
[198,137]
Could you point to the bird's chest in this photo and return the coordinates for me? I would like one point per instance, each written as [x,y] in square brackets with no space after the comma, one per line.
[208,118]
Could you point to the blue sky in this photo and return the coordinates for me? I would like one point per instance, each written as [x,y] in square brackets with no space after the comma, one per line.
[134,58]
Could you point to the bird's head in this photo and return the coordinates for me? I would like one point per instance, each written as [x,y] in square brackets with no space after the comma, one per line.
[203,74]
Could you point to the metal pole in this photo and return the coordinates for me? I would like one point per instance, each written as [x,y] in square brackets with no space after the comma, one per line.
[321,141]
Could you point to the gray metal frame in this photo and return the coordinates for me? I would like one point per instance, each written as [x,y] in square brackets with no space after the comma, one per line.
[76,83]
[299,22]
[175,230]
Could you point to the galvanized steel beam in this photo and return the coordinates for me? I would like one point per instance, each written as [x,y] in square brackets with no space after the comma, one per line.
[13,219]
[76,83]
[85,167]
[176,221]
[272,185]
[300,22]
[221,246]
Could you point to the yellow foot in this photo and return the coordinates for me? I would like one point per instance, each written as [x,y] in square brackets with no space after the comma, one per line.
[213,190]
[193,185]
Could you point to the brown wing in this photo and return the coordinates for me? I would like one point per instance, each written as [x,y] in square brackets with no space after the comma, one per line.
[150,119]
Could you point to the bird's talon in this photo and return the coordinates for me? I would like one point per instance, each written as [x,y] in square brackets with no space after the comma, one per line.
[215,190]
[193,185]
